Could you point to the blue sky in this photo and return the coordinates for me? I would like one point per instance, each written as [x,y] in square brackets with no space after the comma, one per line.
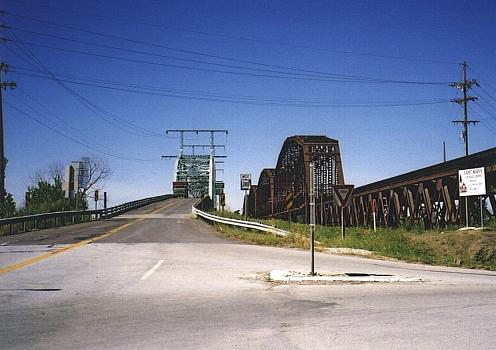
[374,75]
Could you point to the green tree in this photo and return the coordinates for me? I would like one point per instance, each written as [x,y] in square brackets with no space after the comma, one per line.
[7,204]
[46,195]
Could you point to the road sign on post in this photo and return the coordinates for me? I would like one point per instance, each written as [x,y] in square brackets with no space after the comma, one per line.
[342,195]
[472,182]
[245,182]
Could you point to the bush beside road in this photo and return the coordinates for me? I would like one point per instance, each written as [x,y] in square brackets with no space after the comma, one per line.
[446,247]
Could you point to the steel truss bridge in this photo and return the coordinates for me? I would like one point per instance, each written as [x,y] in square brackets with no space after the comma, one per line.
[195,175]
[283,192]
[428,196]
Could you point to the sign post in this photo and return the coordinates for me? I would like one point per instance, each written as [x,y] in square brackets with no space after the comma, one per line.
[96,199]
[374,213]
[482,211]
[245,180]
[472,182]
[342,195]
[312,218]
[222,200]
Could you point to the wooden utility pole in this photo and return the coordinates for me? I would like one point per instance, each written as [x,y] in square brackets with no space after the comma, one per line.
[3,86]
[464,86]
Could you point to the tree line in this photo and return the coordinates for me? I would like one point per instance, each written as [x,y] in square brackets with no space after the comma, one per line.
[45,194]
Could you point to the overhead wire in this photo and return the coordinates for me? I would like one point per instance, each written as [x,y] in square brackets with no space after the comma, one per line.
[315,73]
[61,124]
[141,42]
[483,121]
[234,37]
[118,122]
[72,138]
[238,100]
[275,75]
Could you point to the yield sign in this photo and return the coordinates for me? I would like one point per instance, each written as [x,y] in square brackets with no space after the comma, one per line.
[342,194]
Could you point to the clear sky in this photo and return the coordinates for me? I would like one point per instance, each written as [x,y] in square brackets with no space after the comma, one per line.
[106,79]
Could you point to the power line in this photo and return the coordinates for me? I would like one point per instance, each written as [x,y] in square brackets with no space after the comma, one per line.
[201,53]
[118,122]
[238,100]
[61,124]
[193,60]
[241,38]
[487,95]
[314,73]
[276,75]
[25,71]
[72,138]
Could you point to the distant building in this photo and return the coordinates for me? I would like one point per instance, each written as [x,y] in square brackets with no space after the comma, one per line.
[76,176]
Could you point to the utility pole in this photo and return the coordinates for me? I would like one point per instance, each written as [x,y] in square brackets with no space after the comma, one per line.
[464,86]
[3,86]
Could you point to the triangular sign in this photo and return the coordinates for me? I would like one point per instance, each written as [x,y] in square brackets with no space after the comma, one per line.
[342,194]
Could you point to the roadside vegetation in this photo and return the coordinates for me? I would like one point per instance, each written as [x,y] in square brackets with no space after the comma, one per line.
[447,247]
[44,193]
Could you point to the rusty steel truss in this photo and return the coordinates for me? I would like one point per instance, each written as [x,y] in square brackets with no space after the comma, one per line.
[283,192]
[427,196]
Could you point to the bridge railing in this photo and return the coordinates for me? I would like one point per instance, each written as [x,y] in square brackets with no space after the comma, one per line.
[62,218]
[233,222]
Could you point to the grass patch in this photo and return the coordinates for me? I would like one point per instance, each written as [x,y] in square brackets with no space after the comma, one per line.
[470,249]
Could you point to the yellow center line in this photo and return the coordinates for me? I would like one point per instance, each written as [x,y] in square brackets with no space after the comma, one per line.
[36,259]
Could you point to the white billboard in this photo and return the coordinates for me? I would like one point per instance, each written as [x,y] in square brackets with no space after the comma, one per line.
[472,182]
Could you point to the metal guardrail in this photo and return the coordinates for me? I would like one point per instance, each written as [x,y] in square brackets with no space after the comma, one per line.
[240,223]
[62,218]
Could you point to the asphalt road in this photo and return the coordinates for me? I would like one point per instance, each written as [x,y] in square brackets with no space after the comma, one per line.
[158,279]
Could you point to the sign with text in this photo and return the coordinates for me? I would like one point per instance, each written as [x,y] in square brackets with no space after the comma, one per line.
[472,182]
[245,181]
[342,194]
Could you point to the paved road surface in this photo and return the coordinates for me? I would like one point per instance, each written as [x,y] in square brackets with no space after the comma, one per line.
[166,281]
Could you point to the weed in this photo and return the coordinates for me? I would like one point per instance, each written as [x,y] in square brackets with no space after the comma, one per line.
[411,242]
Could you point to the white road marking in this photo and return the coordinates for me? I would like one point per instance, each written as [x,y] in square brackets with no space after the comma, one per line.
[4,244]
[152,270]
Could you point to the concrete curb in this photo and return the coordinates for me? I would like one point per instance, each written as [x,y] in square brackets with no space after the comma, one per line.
[298,277]
[348,251]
